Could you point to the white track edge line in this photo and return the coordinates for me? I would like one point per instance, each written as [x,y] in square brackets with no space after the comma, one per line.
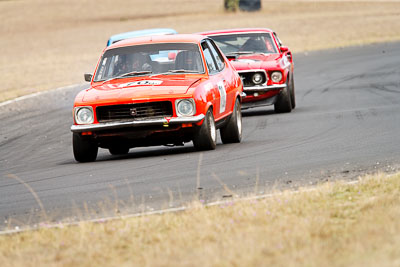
[5,103]
[158,212]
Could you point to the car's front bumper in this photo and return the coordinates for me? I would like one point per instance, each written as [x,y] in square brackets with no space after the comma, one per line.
[135,123]
[263,88]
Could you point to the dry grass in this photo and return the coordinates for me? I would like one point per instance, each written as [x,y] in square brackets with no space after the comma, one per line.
[335,225]
[51,43]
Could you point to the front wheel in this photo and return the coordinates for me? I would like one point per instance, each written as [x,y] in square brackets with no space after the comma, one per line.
[292,92]
[206,137]
[85,149]
[232,132]
[284,102]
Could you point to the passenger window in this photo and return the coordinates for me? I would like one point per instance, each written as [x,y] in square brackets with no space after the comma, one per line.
[217,56]
[212,68]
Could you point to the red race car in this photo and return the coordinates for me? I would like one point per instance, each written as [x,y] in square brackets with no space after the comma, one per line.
[158,90]
[263,63]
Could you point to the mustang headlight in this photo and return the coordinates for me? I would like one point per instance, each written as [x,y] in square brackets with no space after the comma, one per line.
[276,76]
[257,78]
[84,115]
[185,107]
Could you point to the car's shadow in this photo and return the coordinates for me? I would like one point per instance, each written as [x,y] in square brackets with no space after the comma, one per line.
[146,152]
[139,152]
[257,112]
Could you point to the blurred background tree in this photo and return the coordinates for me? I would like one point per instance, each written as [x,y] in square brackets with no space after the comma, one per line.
[231,5]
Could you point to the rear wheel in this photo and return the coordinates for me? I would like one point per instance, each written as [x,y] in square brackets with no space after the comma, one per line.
[206,137]
[85,149]
[232,132]
[118,150]
[283,103]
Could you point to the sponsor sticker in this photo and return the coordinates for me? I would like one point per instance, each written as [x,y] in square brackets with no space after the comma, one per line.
[208,86]
[145,82]
[166,122]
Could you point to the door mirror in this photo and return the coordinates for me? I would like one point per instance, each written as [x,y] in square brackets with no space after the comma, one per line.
[231,57]
[88,77]
[284,49]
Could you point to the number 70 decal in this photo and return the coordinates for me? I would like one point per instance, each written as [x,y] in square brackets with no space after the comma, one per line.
[222,94]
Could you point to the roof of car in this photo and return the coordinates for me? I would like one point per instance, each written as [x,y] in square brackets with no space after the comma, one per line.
[232,31]
[127,35]
[176,38]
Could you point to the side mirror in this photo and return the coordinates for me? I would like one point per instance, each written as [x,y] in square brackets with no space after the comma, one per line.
[231,57]
[88,77]
[284,49]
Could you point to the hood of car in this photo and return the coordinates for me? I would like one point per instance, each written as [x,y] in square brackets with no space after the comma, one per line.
[126,90]
[256,61]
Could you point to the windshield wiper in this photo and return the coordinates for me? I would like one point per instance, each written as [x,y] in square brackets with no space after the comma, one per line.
[132,73]
[175,71]
[183,71]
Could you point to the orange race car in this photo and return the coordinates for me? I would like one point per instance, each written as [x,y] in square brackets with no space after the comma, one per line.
[158,90]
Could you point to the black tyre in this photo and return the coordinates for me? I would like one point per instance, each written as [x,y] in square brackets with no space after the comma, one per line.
[292,92]
[283,103]
[206,137]
[119,150]
[232,132]
[85,149]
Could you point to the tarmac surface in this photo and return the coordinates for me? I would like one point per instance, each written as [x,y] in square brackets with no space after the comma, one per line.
[346,124]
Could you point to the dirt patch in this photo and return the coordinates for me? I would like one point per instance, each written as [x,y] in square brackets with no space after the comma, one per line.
[48,44]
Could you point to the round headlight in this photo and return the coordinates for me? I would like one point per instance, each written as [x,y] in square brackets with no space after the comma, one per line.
[84,115]
[276,76]
[185,107]
[257,78]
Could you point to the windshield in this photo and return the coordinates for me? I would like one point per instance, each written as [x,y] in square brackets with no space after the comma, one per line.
[149,59]
[246,43]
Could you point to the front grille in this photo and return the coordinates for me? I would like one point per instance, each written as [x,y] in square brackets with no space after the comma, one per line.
[247,78]
[129,112]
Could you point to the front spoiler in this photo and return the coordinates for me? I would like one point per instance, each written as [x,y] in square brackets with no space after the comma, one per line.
[136,123]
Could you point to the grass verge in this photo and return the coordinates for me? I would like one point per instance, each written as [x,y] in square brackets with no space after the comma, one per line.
[336,224]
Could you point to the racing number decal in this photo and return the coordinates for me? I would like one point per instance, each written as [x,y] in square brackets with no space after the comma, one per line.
[222,94]
[285,61]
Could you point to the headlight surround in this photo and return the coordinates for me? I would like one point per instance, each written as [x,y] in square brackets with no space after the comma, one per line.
[257,78]
[276,76]
[84,115]
[185,107]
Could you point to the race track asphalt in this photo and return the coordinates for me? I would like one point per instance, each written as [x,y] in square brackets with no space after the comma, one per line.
[347,123]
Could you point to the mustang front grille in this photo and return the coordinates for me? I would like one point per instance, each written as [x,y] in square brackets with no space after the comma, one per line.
[247,78]
[134,111]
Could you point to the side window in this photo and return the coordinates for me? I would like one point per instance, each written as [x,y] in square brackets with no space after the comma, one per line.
[212,68]
[217,56]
